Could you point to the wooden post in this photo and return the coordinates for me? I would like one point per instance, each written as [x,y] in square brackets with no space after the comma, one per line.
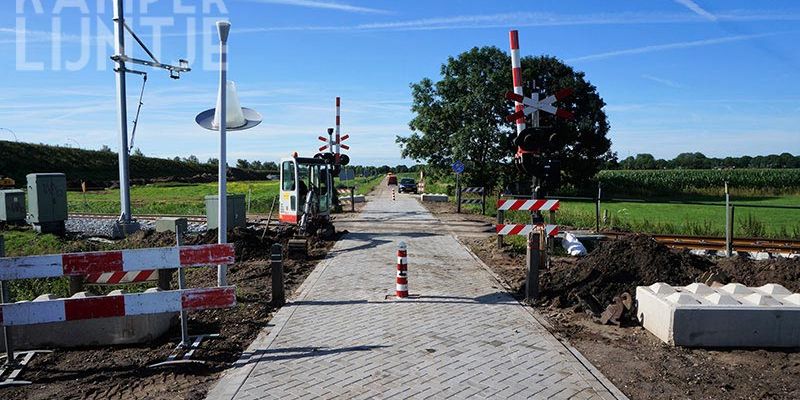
[533,260]
[276,261]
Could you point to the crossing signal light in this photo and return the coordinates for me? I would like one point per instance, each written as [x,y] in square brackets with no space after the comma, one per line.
[535,139]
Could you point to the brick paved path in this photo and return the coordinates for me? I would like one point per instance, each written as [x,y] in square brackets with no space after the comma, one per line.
[462,337]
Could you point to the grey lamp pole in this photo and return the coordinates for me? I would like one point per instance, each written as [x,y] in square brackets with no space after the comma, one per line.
[224,29]
[122,104]
[217,119]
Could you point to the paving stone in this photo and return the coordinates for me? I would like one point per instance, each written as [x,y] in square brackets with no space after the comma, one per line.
[460,337]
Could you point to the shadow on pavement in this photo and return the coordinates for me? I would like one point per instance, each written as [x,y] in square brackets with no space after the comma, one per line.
[291,353]
[496,298]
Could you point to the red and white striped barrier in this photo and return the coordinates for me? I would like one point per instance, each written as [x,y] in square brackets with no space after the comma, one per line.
[151,302]
[77,264]
[527,205]
[516,71]
[401,291]
[114,278]
[524,230]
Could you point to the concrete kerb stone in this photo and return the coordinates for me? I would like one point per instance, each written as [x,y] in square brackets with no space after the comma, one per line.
[594,373]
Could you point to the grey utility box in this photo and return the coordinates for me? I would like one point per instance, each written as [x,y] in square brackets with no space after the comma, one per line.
[171,224]
[47,202]
[12,205]
[236,211]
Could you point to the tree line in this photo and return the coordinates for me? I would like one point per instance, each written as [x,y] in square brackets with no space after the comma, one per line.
[700,161]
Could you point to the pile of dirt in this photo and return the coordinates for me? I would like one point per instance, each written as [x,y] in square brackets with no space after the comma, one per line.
[619,266]
[783,271]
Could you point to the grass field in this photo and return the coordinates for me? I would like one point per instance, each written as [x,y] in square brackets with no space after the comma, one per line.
[704,220]
[186,199]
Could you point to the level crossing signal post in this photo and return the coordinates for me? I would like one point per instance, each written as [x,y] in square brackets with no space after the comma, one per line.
[533,144]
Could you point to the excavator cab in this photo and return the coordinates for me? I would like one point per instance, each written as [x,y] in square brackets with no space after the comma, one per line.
[306,199]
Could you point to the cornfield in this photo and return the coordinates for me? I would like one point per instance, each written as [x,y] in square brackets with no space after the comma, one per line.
[665,182]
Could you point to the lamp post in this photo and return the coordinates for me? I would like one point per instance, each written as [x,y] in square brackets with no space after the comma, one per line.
[228,115]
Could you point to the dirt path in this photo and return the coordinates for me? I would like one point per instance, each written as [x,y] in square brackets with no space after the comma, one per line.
[638,363]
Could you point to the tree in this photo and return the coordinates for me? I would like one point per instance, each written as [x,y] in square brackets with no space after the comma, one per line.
[242,164]
[105,149]
[462,117]
[137,152]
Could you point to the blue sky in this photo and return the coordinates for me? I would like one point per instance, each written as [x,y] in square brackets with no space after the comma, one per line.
[718,77]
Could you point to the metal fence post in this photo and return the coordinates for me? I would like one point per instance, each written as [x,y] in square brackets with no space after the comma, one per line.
[597,208]
[458,194]
[276,262]
[728,231]
[6,298]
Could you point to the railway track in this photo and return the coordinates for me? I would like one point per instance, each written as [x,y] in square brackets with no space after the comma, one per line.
[783,246]
[200,219]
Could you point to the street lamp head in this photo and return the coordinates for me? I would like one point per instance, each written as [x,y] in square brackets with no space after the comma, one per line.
[237,117]
[224,28]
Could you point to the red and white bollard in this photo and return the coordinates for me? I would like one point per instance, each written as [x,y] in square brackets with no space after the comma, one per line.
[402,271]
[393,196]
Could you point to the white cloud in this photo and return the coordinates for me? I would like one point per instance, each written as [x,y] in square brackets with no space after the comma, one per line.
[665,82]
[691,5]
[671,46]
[325,5]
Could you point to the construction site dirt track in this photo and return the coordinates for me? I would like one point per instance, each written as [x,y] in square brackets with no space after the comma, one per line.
[121,372]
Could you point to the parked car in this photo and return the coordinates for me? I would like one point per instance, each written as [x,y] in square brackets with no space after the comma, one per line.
[407,185]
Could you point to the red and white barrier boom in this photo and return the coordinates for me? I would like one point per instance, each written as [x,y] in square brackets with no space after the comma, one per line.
[527,205]
[516,71]
[338,127]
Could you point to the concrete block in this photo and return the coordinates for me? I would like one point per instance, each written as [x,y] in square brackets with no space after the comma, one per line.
[434,197]
[733,315]
[170,224]
[91,332]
